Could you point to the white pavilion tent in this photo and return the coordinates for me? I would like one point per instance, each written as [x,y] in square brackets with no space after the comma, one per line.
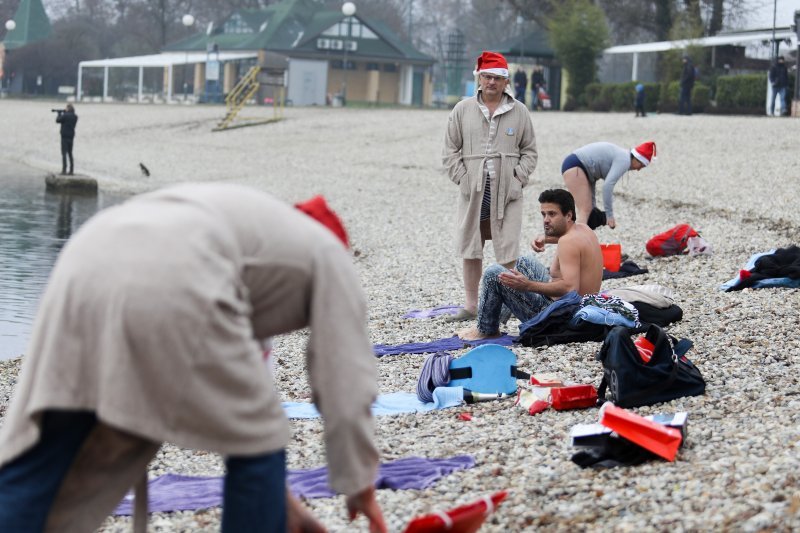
[744,37]
[165,60]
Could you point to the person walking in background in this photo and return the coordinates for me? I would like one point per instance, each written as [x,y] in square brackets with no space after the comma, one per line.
[779,80]
[68,119]
[151,331]
[687,83]
[601,161]
[489,152]
[638,102]
[520,85]
[537,85]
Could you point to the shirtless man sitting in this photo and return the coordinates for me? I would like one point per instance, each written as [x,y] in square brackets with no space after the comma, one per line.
[528,289]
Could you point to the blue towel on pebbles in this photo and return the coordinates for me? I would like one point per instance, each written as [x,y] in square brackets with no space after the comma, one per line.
[395,403]
[442,345]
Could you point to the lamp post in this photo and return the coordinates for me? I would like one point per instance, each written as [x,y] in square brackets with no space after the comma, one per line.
[187,21]
[212,93]
[10,25]
[348,10]
[774,51]
[796,99]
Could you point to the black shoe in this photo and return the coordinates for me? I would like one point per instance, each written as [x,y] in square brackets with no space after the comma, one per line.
[71,173]
[597,218]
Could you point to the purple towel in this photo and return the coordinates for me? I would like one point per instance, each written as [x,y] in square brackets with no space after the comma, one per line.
[172,492]
[442,345]
[436,311]
[410,473]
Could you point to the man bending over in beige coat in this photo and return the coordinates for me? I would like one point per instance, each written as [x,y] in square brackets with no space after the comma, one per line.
[490,152]
[149,331]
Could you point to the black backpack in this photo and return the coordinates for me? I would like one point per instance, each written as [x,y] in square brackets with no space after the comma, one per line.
[630,382]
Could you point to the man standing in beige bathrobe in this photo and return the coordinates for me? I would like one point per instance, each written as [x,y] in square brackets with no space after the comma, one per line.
[490,153]
[150,330]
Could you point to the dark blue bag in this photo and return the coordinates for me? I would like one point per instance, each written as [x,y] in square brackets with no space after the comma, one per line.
[630,382]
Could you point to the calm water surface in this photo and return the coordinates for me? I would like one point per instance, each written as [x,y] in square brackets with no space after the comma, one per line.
[34,225]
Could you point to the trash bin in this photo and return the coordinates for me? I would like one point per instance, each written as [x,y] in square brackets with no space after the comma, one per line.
[337,100]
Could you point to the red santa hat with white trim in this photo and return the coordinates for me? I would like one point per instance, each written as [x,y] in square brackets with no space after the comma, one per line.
[492,63]
[645,152]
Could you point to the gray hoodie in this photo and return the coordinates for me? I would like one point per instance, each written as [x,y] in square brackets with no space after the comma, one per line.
[604,161]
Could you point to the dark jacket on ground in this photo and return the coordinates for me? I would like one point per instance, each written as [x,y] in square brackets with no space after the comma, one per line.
[67,119]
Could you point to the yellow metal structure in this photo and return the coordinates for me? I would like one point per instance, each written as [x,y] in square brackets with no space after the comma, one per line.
[241,94]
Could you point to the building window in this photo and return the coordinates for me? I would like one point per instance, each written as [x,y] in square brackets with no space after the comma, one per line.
[235,24]
[350,27]
[373,66]
[337,30]
[337,65]
[390,67]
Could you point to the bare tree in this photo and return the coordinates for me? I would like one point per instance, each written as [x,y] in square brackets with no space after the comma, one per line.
[717,16]
[540,10]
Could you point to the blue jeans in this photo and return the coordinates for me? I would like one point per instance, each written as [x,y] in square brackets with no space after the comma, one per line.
[29,483]
[254,489]
[493,295]
[776,92]
[255,494]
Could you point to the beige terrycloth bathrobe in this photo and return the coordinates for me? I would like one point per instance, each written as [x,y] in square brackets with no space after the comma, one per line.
[513,152]
[151,319]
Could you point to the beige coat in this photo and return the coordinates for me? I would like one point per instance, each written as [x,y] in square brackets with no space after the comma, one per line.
[151,320]
[465,154]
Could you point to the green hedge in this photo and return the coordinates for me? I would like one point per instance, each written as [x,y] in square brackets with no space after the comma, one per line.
[671,92]
[747,91]
[619,96]
[743,94]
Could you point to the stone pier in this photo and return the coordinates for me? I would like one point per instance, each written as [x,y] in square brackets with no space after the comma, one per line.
[77,183]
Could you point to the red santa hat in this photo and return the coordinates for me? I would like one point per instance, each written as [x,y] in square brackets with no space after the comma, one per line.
[317,208]
[492,63]
[645,152]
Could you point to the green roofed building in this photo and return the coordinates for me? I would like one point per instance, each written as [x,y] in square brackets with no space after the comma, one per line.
[32,24]
[326,50]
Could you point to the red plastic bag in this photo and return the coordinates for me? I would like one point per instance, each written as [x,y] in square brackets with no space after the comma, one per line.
[465,519]
[573,397]
[671,242]
[657,438]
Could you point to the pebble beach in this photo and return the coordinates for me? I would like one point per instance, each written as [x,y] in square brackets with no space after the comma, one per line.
[734,179]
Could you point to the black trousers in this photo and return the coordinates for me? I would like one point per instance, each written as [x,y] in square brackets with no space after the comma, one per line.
[685,101]
[66,151]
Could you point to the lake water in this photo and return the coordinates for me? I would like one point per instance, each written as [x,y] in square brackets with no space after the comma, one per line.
[34,225]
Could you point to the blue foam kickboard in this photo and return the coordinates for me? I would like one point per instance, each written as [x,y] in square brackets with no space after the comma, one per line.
[491,370]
